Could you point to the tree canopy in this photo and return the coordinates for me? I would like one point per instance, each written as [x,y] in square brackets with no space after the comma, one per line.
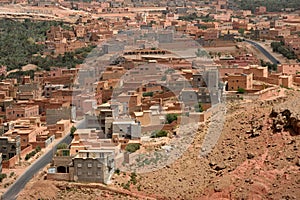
[21,43]
[271,5]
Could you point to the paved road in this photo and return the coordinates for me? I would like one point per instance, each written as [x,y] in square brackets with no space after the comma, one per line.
[264,51]
[35,167]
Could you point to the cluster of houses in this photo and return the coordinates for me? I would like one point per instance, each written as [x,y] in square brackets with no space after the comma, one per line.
[31,115]
[85,32]
[132,98]
[213,24]
[123,98]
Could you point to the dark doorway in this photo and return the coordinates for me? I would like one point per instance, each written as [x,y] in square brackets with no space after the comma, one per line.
[61,169]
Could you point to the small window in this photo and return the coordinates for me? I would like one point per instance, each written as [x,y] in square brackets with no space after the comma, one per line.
[90,164]
[99,165]
[79,173]
[79,165]
[90,173]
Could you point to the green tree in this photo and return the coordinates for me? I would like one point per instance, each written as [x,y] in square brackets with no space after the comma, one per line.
[2,176]
[72,131]
[148,94]
[133,178]
[132,147]
[241,31]
[198,107]
[117,171]
[37,148]
[161,133]
[62,146]
[240,90]
[171,117]
[27,157]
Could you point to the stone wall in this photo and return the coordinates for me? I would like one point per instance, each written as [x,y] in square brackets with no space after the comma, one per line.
[11,162]
[26,151]
[58,176]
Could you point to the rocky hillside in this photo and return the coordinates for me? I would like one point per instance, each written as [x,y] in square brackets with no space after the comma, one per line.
[256,157]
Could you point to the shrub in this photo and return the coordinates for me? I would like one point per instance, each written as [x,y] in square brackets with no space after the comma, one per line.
[38,149]
[139,188]
[62,146]
[133,178]
[11,174]
[161,133]
[117,171]
[32,153]
[27,157]
[132,147]
[72,131]
[198,107]
[241,91]
[2,176]
[171,118]
[148,94]
[126,186]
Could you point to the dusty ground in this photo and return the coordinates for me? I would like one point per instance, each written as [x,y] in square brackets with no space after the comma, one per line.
[61,190]
[249,162]
[13,173]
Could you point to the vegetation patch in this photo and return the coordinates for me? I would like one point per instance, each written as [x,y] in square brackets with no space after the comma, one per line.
[132,147]
[171,117]
[161,133]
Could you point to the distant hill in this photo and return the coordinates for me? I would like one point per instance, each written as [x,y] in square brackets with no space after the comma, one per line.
[21,44]
[272,5]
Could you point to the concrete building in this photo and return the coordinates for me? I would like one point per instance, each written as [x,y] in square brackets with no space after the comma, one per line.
[29,91]
[236,81]
[10,146]
[127,128]
[49,89]
[94,166]
[256,70]
[289,69]
[112,47]
[17,111]
[194,96]
[55,115]
[27,134]
[62,128]
[131,101]
[105,118]
[286,81]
